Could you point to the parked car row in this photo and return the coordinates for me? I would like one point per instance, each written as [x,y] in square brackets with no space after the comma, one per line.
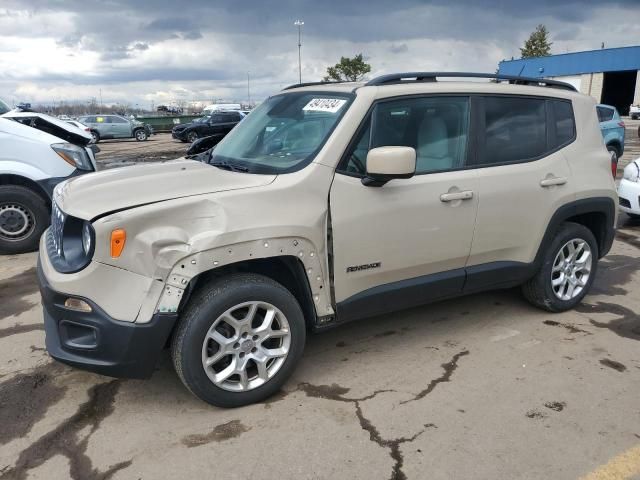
[213,124]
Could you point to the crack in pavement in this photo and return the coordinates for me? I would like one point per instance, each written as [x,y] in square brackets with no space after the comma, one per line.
[336,393]
[63,440]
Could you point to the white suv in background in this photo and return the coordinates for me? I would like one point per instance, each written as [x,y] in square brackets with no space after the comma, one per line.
[36,153]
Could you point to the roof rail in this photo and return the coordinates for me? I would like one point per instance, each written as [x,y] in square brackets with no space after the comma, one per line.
[311,84]
[410,77]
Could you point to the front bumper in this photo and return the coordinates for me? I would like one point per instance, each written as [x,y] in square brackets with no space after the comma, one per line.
[629,195]
[178,134]
[96,342]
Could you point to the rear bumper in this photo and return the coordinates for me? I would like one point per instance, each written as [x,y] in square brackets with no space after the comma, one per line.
[629,195]
[96,342]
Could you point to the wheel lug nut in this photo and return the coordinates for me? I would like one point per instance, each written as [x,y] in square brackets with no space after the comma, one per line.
[236,345]
[255,337]
[241,354]
[245,335]
[254,350]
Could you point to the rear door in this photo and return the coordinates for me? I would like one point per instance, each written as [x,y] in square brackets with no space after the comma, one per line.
[404,243]
[523,178]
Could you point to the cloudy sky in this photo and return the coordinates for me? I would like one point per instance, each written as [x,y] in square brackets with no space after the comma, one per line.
[162,51]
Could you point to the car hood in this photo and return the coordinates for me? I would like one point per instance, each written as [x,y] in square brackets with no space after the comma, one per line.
[97,194]
[52,126]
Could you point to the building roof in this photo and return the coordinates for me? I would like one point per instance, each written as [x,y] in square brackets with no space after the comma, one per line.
[604,60]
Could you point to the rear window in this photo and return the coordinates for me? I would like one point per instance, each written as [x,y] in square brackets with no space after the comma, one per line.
[605,114]
[515,129]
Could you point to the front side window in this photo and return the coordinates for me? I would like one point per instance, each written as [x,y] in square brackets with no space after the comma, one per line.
[284,133]
[515,130]
[117,120]
[436,127]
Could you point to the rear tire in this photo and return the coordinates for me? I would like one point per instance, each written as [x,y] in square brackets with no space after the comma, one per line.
[24,215]
[556,265]
[192,137]
[218,333]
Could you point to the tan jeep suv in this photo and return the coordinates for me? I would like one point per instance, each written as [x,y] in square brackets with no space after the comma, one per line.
[329,203]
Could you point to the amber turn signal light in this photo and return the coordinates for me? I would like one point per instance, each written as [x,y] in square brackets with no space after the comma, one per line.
[118,238]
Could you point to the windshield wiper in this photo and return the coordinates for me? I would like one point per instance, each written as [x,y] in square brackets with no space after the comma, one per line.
[229,166]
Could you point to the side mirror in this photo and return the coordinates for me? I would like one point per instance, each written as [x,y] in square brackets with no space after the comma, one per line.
[387,163]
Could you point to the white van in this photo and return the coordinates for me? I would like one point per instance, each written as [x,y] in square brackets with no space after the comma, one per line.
[36,153]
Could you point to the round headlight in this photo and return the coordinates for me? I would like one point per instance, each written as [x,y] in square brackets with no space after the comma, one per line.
[86,237]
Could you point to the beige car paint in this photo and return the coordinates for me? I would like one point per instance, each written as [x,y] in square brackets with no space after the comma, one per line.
[190,218]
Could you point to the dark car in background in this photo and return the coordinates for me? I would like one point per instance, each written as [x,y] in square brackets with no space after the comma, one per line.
[215,124]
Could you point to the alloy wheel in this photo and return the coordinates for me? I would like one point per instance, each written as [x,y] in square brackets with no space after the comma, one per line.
[571,269]
[246,346]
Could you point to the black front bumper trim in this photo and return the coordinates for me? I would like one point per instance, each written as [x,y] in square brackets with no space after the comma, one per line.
[96,342]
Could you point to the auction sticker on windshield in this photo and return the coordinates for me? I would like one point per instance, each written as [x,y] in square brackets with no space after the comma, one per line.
[329,105]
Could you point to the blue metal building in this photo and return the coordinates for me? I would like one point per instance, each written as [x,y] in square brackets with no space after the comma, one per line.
[610,75]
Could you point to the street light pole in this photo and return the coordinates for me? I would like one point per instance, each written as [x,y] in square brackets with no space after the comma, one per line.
[299,24]
[248,91]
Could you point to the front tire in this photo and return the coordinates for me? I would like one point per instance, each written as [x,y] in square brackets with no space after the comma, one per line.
[192,137]
[24,215]
[239,340]
[140,135]
[95,135]
[567,271]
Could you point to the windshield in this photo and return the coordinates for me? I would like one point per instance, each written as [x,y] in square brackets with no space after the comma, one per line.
[201,120]
[4,108]
[283,134]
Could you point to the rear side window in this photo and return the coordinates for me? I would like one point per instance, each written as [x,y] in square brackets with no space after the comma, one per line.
[514,130]
[604,114]
[565,125]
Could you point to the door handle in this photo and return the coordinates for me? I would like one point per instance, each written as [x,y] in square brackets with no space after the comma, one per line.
[550,182]
[450,197]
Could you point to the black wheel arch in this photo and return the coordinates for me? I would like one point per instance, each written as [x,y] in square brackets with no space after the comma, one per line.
[616,145]
[287,270]
[10,179]
[597,214]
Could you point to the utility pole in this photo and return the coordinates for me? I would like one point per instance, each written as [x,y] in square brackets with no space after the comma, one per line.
[299,24]
[100,100]
[248,90]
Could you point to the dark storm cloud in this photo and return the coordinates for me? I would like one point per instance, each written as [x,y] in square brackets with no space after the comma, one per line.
[259,35]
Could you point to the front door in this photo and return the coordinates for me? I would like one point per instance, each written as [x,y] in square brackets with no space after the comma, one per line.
[407,242]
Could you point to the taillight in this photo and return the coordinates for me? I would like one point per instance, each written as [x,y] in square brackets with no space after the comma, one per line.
[614,169]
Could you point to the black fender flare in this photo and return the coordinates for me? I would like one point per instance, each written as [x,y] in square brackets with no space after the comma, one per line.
[601,205]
